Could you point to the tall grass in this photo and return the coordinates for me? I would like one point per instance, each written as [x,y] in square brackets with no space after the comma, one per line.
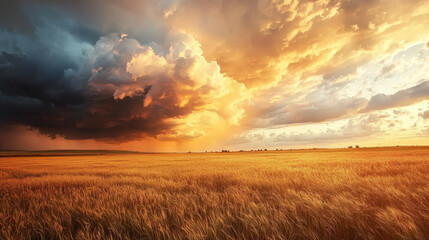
[380,193]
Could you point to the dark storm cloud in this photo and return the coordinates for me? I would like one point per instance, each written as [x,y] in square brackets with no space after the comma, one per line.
[47,81]
[52,94]
[60,76]
[57,99]
[401,98]
[101,118]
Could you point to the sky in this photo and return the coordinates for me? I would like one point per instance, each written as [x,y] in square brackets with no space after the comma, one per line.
[206,75]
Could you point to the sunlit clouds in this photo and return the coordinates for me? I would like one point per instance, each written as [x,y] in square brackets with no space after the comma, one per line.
[205,75]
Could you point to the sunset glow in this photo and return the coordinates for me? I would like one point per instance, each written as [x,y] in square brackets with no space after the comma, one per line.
[178,75]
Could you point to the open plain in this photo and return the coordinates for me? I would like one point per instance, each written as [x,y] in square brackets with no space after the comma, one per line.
[367,193]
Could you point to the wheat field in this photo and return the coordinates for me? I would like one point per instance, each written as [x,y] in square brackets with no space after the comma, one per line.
[372,193]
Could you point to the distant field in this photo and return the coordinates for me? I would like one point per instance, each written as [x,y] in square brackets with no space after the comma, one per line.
[12,153]
[372,193]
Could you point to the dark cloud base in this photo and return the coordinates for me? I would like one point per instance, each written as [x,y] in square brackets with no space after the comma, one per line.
[35,99]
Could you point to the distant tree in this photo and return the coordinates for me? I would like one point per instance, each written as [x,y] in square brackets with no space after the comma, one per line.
[357,146]
[350,146]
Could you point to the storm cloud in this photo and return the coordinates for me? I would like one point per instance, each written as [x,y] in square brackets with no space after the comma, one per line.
[57,80]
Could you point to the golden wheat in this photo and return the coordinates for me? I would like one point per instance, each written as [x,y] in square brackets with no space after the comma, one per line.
[377,193]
